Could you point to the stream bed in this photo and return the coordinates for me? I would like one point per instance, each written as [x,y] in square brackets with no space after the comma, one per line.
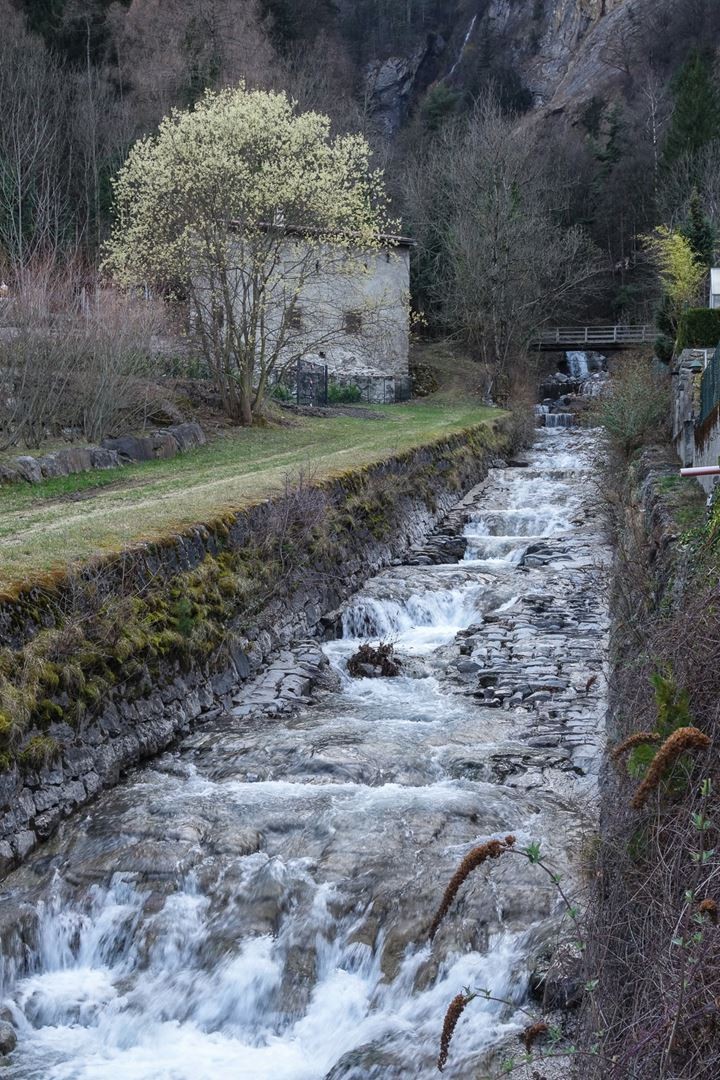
[254,904]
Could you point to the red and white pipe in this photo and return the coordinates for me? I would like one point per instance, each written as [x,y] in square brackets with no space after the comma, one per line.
[703,470]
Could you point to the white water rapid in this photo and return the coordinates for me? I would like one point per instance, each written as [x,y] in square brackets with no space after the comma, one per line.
[254,905]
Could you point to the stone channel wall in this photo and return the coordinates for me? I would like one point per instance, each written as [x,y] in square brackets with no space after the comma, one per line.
[367,518]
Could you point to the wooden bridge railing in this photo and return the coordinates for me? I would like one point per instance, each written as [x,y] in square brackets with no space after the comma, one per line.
[583,336]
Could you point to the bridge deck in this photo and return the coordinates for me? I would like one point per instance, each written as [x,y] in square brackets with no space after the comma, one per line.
[620,336]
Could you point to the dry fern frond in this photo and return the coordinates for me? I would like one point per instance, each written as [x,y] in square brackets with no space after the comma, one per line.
[493,849]
[680,742]
[640,739]
[455,1010]
[709,908]
[531,1034]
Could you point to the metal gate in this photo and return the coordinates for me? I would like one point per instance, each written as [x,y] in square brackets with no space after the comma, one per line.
[311,383]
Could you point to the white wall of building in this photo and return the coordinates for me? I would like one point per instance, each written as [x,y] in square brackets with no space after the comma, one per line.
[352,311]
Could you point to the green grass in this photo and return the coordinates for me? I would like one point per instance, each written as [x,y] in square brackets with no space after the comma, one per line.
[45,527]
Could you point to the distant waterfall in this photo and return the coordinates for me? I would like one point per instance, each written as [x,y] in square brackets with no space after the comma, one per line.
[463,47]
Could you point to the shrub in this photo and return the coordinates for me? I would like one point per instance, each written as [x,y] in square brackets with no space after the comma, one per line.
[664,348]
[74,365]
[698,328]
[343,395]
[280,392]
[637,410]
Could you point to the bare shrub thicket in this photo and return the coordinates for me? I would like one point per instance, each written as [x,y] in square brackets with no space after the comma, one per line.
[653,944]
[636,410]
[73,362]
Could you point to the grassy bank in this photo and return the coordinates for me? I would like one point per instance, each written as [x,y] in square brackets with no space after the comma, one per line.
[49,525]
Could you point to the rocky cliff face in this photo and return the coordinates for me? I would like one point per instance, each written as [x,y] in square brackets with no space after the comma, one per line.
[564,52]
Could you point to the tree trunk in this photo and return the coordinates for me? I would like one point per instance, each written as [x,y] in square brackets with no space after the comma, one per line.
[246,413]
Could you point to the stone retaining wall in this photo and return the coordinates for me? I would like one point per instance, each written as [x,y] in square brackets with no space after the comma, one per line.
[696,442]
[127,728]
[111,454]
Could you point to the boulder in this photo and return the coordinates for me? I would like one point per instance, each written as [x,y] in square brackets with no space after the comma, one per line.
[9,474]
[7,858]
[187,435]
[165,445]
[52,465]
[104,459]
[76,459]
[557,981]
[8,1037]
[28,468]
[373,662]
[130,448]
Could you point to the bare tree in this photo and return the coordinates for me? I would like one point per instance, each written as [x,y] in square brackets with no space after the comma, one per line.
[75,361]
[694,172]
[170,51]
[35,189]
[499,262]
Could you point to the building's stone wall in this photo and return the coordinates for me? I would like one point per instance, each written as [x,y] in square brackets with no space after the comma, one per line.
[352,311]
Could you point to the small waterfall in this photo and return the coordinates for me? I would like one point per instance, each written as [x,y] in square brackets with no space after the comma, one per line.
[420,622]
[463,47]
[578,364]
[560,420]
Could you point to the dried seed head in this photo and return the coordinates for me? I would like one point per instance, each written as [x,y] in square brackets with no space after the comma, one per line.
[493,849]
[680,742]
[709,907]
[641,739]
[455,1010]
[530,1035]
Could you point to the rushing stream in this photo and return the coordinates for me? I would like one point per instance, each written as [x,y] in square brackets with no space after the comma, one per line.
[255,903]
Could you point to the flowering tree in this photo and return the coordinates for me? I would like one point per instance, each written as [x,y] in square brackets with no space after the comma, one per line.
[239,204]
[680,269]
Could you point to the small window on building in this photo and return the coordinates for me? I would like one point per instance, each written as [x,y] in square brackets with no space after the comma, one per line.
[295,322]
[353,322]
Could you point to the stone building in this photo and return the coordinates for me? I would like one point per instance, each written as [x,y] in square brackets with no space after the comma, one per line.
[351,320]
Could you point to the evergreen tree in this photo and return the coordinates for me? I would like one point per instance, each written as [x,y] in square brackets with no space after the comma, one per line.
[699,231]
[696,116]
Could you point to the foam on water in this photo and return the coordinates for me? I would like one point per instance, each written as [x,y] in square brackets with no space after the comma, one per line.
[98,1010]
[419,624]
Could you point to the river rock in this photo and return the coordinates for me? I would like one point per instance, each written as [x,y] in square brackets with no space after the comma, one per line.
[8,1037]
[557,983]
